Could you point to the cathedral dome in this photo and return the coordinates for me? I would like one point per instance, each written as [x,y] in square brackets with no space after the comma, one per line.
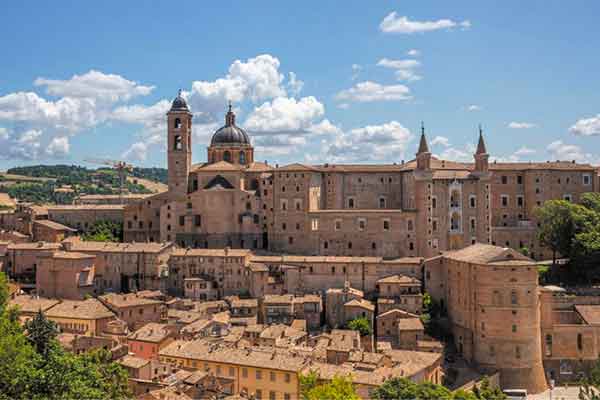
[179,103]
[230,133]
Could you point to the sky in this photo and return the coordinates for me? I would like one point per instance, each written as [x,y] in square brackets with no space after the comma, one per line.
[311,81]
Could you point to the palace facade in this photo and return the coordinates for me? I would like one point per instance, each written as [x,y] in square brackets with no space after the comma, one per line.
[405,209]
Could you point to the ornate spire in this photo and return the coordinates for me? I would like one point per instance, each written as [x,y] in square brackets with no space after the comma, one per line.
[481,144]
[230,117]
[423,147]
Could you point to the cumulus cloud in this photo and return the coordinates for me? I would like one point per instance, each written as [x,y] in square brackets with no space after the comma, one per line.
[393,23]
[440,141]
[137,152]
[404,69]
[257,79]
[559,150]
[325,127]
[371,91]
[294,84]
[474,107]
[370,143]
[95,85]
[58,147]
[524,151]
[284,114]
[521,125]
[587,126]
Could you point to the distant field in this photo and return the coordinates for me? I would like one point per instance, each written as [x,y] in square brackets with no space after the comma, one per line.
[22,178]
[155,187]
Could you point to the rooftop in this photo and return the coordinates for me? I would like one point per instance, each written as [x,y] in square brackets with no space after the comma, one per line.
[128,300]
[151,332]
[480,253]
[400,279]
[31,304]
[410,324]
[54,225]
[362,303]
[84,309]
[589,313]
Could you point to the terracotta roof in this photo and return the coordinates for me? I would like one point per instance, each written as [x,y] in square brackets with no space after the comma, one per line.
[278,299]
[480,253]
[219,166]
[400,279]
[127,300]
[80,207]
[258,167]
[332,259]
[72,255]
[343,339]
[184,316]
[84,309]
[549,165]
[133,362]
[31,304]
[296,167]
[411,362]
[211,252]
[114,196]
[400,313]
[34,246]
[450,174]
[113,247]
[53,225]
[589,313]
[151,332]
[410,324]
[237,302]
[362,303]
[203,351]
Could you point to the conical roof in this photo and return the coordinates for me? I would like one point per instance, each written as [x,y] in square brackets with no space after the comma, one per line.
[481,144]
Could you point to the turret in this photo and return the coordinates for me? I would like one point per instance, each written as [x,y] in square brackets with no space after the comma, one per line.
[423,154]
[481,155]
[179,142]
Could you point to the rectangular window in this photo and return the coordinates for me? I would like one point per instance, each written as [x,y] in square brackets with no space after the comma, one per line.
[587,179]
[519,179]
[567,197]
[386,224]
[504,200]
[314,224]
[197,220]
[284,204]
[351,202]
[362,224]
[258,374]
[244,372]
[231,371]
[338,224]
[504,179]
[182,220]
[520,201]
[434,225]
[272,376]
[472,201]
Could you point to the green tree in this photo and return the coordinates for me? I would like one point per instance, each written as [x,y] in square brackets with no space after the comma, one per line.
[485,391]
[41,332]
[405,389]
[104,231]
[307,383]
[362,325]
[557,226]
[340,388]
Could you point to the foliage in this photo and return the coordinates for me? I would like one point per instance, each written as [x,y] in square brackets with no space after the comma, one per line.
[104,231]
[590,386]
[557,226]
[340,388]
[41,332]
[405,389]
[52,374]
[362,325]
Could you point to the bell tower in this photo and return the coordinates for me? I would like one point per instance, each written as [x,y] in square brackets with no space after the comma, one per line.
[481,155]
[179,142]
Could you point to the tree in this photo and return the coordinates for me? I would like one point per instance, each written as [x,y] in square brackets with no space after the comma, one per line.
[104,231]
[485,391]
[362,325]
[307,383]
[557,226]
[340,388]
[41,332]
[405,389]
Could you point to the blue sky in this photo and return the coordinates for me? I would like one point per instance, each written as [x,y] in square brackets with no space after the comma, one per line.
[311,81]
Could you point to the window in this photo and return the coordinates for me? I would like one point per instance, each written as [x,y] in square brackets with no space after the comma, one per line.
[177,123]
[284,204]
[472,201]
[386,224]
[227,156]
[409,225]
[272,376]
[182,220]
[472,224]
[520,201]
[434,202]
[298,204]
[548,345]
[350,245]
[434,225]
[504,179]
[258,374]
[362,224]
[283,226]
[197,220]
[231,371]
[587,179]
[258,394]
[244,372]
[579,341]
[382,202]
[314,224]
[242,157]
[338,224]
[272,395]
[514,328]
[177,143]
[351,202]
[517,352]
[504,200]
[513,297]
[248,206]
[519,179]
[567,197]
[411,246]
[325,245]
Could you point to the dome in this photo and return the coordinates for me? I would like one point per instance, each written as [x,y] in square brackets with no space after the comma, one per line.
[179,104]
[230,133]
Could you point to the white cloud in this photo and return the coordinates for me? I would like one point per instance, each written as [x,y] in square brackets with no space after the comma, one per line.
[95,85]
[343,106]
[565,152]
[325,127]
[58,147]
[294,84]
[461,154]
[284,114]
[371,91]
[370,143]
[393,23]
[524,151]
[356,71]
[256,79]
[404,69]
[587,126]
[521,125]
[441,141]
[474,107]
[413,53]
[137,152]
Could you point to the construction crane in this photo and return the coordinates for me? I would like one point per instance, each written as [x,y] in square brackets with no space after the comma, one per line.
[121,167]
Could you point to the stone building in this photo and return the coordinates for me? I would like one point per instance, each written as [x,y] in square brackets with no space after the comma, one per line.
[83,217]
[134,310]
[413,208]
[65,275]
[492,300]
[49,231]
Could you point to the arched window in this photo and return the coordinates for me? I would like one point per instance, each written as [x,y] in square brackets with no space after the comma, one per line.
[382,202]
[227,156]
[455,222]
[349,245]
[455,198]
[242,157]
[177,123]
[177,143]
